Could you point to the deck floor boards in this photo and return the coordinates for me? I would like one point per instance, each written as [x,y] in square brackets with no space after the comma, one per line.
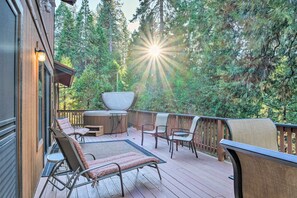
[182,176]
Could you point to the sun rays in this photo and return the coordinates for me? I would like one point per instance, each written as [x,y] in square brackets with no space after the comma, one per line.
[155,60]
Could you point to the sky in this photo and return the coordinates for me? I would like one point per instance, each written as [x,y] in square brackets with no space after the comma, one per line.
[129,8]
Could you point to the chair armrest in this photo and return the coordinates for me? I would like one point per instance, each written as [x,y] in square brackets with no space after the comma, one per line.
[93,156]
[101,166]
[186,133]
[179,130]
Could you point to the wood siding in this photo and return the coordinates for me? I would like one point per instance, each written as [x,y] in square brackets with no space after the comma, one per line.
[38,26]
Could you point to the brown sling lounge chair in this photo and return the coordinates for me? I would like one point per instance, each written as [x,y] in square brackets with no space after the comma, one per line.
[67,128]
[93,170]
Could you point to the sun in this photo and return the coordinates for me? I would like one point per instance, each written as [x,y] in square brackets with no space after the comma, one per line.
[155,59]
[154,50]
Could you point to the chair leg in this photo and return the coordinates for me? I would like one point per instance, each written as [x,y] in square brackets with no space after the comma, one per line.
[122,186]
[193,143]
[158,171]
[73,185]
[141,138]
[190,143]
[172,148]
[156,139]
[167,138]
[176,142]
[53,171]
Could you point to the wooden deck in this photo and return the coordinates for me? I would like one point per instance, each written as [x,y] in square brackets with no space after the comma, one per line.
[182,176]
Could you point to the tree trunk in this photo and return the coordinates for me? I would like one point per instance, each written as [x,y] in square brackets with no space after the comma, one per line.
[110,32]
[285,114]
[161,5]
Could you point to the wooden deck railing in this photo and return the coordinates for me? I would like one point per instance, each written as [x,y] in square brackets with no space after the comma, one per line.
[287,134]
[210,130]
[75,116]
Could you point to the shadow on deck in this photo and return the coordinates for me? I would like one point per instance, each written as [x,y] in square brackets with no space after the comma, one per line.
[182,176]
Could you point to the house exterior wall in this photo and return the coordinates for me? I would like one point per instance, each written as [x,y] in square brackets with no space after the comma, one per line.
[37,27]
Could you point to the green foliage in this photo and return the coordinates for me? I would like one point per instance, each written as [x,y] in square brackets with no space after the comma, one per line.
[84,44]
[88,88]
[220,58]
[236,59]
[66,39]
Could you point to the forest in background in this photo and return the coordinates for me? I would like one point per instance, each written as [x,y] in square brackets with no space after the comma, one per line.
[235,59]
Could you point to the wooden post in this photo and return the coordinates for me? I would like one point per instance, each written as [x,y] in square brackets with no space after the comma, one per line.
[220,136]
[281,139]
[137,120]
[289,140]
[152,118]
[295,131]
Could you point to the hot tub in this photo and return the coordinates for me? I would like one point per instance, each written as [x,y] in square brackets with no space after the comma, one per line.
[112,121]
[115,120]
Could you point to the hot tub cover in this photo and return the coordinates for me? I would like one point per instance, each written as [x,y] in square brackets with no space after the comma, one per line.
[121,101]
[103,113]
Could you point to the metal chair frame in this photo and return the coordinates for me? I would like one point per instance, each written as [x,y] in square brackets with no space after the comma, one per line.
[77,169]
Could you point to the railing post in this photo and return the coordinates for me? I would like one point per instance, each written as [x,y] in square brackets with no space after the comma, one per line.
[137,120]
[281,139]
[220,136]
[176,122]
[289,140]
[295,131]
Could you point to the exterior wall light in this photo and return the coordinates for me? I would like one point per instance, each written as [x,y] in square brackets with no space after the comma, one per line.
[40,55]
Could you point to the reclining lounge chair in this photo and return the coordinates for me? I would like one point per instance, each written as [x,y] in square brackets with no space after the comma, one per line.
[94,170]
[67,128]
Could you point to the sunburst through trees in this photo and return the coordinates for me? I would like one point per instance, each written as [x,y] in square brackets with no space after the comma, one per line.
[155,59]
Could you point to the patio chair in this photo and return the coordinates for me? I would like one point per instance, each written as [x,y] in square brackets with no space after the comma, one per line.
[260,172]
[158,129]
[184,135]
[93,170]
[258,132]
[67,128]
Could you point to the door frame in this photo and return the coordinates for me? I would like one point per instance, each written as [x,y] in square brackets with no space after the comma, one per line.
[17,9]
